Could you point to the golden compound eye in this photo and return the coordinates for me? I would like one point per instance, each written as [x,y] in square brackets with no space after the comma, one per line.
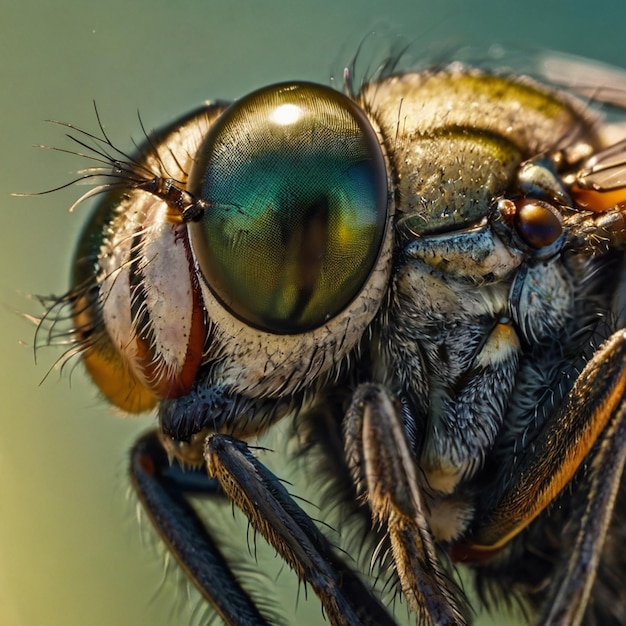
[538,223]
[295,185]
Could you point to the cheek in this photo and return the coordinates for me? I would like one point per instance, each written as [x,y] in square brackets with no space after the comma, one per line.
[168,317]
[149,314]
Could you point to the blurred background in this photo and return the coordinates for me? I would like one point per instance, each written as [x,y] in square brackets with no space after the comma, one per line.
[71,550]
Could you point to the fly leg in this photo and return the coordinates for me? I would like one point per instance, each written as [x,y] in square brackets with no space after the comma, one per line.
[570,591]
[590,427]
[385,472]
[162,489]
[346,600]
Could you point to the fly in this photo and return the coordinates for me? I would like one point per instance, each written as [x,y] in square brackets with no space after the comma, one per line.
[426,275]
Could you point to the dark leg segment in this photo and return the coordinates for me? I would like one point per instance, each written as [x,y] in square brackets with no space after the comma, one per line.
[161,488]
[346,600]
[588,415]
[385,471]
[566,605]
[589,428]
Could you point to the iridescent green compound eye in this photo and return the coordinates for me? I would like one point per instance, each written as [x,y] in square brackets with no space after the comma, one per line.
[296,188]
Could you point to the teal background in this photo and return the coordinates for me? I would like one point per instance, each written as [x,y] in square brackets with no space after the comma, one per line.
[71,552]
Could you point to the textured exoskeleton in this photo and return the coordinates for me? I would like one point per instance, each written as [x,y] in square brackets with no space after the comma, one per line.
[427,276]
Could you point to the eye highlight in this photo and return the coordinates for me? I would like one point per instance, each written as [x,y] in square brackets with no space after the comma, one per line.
[294,181]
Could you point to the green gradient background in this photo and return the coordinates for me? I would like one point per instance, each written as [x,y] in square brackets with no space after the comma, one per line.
[71,552]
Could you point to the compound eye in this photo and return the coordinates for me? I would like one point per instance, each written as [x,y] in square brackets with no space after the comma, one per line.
[538,223]
[295,185]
